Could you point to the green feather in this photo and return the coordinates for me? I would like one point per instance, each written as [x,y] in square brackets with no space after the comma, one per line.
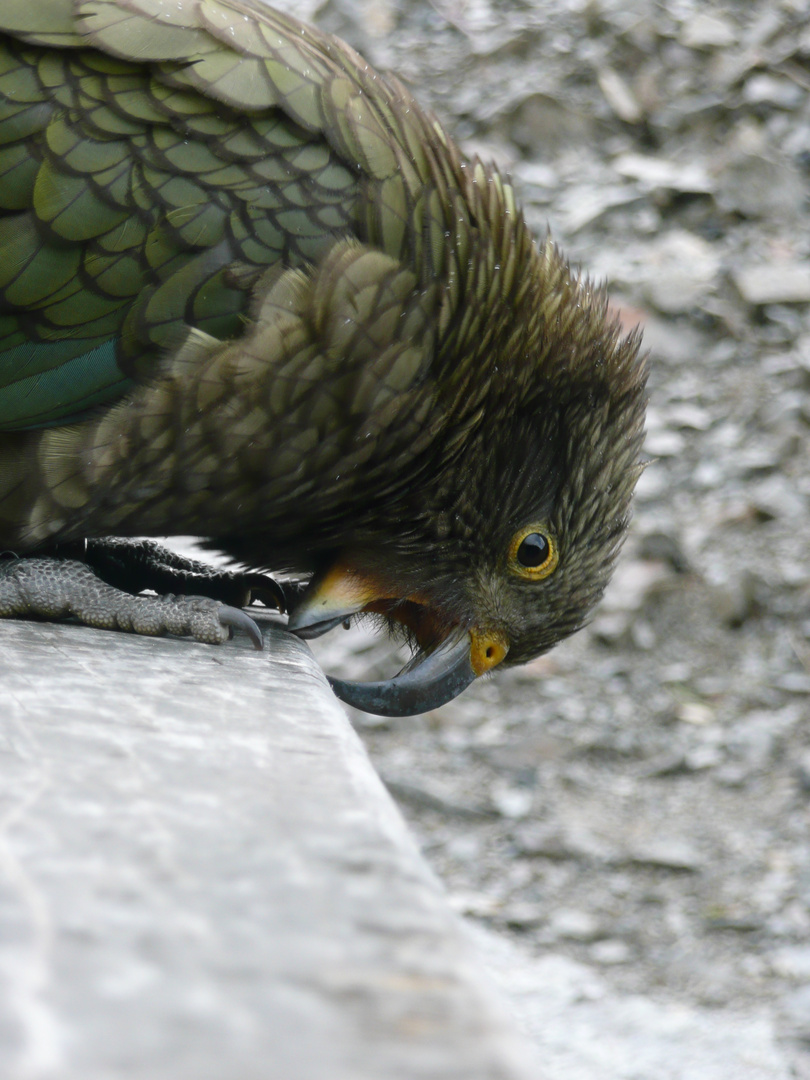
[43,384]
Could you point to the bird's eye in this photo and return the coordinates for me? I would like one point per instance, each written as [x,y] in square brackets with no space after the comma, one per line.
[532,553]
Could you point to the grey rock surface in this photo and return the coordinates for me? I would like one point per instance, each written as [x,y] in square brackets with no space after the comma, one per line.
[202,877]
[585,1031]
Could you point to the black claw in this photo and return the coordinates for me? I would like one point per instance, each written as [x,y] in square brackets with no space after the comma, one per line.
[232,617]
[266,590]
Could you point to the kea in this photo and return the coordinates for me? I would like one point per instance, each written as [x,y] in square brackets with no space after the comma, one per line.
[250,291]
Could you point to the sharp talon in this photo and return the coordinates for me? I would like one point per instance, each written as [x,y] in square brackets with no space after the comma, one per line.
[267,592]
[271,598]
[231,617]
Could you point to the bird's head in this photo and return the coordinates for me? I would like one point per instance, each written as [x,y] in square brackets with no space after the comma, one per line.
[507,547]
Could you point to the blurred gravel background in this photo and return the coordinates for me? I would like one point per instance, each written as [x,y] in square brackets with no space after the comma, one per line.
[625,821]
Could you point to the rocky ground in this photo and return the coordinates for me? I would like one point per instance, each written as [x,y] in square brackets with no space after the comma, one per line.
[630,815]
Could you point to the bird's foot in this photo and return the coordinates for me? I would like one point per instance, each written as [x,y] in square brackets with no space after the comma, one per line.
[135,565]
[53,588]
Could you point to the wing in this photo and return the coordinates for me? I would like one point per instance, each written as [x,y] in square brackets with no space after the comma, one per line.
[155,159]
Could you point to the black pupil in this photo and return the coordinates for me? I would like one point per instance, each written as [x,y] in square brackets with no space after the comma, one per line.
[533,550]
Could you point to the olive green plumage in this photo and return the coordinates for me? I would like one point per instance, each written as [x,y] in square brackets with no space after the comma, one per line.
[249,290]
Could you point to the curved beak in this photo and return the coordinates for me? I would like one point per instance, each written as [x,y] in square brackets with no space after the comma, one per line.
[433,680]
[437,674]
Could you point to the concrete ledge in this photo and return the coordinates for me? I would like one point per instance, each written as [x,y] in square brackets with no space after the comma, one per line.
[201,876]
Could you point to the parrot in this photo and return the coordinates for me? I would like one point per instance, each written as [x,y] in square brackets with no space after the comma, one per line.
[252,292]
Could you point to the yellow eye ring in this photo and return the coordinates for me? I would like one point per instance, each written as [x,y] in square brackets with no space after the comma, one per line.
[533,554]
